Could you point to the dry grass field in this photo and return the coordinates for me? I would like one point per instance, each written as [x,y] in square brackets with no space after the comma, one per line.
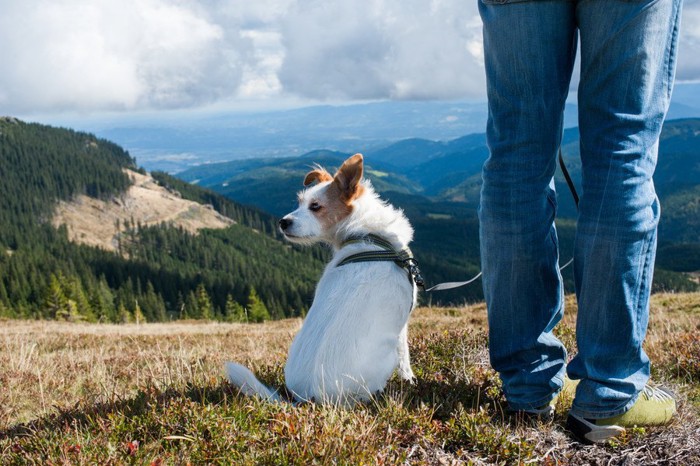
[155,394]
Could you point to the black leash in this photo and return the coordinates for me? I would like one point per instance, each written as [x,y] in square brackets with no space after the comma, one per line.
[574,194]
[567,177]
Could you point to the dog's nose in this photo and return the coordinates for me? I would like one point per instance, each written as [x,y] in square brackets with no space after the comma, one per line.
[285,223]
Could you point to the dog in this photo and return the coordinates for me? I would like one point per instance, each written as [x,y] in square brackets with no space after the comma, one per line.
[355,334]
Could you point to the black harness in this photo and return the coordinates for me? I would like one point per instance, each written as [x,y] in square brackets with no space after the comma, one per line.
[403,258]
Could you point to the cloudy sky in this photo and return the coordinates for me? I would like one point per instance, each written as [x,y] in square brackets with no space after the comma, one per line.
[93,56]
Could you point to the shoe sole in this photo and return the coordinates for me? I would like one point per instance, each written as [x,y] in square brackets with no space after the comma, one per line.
[587,432]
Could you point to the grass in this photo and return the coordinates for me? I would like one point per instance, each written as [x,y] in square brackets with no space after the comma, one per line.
[155,394]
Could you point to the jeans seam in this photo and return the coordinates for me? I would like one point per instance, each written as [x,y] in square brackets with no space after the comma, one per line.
[671,52]
[646,268]
[540,402]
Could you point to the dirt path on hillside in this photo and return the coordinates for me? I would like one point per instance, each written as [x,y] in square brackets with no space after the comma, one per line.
[99,223]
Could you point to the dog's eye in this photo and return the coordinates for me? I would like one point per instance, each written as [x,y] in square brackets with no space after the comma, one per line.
[315,207]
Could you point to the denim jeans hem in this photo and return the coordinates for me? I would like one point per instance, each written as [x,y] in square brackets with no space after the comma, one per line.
[538,403]
[604,414]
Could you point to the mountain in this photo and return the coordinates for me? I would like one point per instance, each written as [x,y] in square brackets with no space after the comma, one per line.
[86,234]
[437,183]
[248,181]
[450,171]
[175,144]
[177,140]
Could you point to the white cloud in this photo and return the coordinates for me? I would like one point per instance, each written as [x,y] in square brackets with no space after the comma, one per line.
[114,54]
[689,47]
[259,78]
[405,49]
[101,55]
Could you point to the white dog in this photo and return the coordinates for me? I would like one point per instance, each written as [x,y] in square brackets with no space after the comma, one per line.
[355,334]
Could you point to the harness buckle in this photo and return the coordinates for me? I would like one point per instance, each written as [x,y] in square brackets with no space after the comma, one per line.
[414,272]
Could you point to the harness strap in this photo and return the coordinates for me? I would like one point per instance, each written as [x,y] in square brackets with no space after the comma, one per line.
[403,258]
[370,256]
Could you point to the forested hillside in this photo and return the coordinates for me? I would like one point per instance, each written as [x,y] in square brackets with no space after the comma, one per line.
[162,272]
[39,165]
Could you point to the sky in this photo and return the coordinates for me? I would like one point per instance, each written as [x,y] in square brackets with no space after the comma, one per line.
[130,56]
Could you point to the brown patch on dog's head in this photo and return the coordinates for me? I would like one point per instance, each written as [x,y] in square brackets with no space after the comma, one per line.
[318,174]
[329,207]
[333,203]
[347,179]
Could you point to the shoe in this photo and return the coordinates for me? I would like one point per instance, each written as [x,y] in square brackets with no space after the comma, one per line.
[654,407]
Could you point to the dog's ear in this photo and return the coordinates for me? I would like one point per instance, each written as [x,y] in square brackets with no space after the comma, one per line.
[348,177]
[319,174]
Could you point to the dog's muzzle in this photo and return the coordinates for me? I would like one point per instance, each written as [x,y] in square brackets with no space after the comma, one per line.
[285,223]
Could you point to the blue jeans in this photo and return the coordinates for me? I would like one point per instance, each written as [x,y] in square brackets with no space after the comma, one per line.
[628,50]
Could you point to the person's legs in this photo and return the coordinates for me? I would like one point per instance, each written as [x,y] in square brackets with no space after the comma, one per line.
[627,68]
[529,55]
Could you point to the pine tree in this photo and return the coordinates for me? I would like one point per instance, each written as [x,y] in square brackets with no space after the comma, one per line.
[152,305]
[257,311]
[191,307]
[3,292]
[204,305]
[124,316]
[102,302]
[234,311]
[55,302]
[5,311]
[73,289]
[71,314]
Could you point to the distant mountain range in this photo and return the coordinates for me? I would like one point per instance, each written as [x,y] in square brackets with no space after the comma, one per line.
[444,171]
[437,183]
[182,140]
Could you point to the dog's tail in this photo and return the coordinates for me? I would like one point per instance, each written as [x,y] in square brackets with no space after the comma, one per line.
[249,385]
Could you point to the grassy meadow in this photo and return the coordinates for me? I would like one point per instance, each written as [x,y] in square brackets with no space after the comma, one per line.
[155,394]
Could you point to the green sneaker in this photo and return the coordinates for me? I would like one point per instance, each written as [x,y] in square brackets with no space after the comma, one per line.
[654,407]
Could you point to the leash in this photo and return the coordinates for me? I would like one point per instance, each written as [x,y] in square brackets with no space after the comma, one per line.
[574,194]
[567,177]
[451,285]
[404,258]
